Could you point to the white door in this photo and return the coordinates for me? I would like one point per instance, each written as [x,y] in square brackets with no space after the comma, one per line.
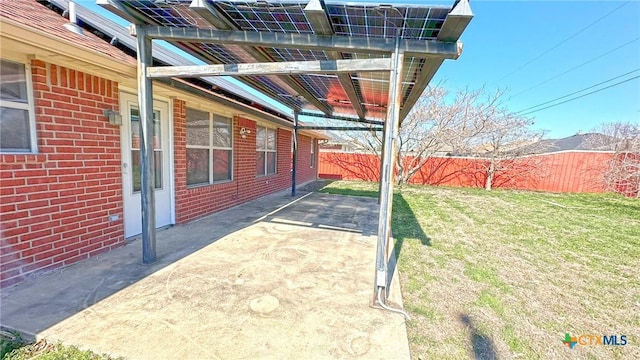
[131,164]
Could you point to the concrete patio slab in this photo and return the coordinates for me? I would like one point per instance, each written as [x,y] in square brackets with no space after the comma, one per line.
[256,281]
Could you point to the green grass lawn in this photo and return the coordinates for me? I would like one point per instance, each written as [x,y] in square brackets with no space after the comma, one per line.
[505,274]
[14,347]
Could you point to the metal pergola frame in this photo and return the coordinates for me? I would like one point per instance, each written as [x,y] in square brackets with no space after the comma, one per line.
[446,46]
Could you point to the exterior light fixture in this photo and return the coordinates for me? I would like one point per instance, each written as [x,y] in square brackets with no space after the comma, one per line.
[114,117]
[244,132]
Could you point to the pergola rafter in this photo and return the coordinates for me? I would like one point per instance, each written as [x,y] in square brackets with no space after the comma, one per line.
[271,68]
[217,19]
[382,46]
[328,56]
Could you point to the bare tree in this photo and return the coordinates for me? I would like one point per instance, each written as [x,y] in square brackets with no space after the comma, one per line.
[502,141]
[623,173]
[471,123]
[435,127]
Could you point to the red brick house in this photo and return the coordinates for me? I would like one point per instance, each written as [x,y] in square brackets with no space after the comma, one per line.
[69,175]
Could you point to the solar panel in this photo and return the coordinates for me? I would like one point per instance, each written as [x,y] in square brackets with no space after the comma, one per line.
[274,16]
[345,19]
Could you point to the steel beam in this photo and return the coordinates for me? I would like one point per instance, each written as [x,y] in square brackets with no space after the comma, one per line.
[219,20]
[351,44]
[338,128]
[272,68]
[456,22]
[381,167]
[294,165]
[236,105]
[428,71]
[341,118]
[147,171]
[209,13]
[317,16]
[388,167]
[118,9]
[451,30]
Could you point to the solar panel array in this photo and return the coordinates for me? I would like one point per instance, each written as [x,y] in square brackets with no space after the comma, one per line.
[346,19]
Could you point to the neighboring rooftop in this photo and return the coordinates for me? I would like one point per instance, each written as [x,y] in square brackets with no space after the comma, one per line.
[581,141]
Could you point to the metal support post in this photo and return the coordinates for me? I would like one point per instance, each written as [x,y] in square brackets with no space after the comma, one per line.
[147,171]
[294,165]
[381,166]
[388,166]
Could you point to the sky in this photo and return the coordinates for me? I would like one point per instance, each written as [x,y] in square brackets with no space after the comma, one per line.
[524,47]
[512,45]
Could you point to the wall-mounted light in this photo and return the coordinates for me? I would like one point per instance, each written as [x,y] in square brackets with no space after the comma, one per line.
[114,117]
[244,132]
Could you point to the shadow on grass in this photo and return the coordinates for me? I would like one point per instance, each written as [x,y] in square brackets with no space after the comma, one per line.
[483,348]
[404,225]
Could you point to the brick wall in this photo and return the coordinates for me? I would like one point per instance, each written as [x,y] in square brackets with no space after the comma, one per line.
[195,202]
[304,171]
[55,205]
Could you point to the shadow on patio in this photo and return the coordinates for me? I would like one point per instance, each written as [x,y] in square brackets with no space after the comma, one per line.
[404,226]
[243,283]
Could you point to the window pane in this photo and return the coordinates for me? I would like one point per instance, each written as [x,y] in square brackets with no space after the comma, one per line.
[135,170]
[221,131]
[271,139]
[13,83]
[260,163]
[260,137]
[221,165]
[157,142]
[135,128]
[271,163]
[157,160]
[197,127]
[197,166]
[14,130]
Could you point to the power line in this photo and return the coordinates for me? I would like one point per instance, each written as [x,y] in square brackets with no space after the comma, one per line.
[583,95]
[579,91]
[575,67]
[562,42]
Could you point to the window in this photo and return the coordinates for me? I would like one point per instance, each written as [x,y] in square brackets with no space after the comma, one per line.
[209,148]
[266,151]
[17,122]
[313,153]
[134,114]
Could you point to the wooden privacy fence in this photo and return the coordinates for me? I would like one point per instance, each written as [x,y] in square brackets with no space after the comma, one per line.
[567,171]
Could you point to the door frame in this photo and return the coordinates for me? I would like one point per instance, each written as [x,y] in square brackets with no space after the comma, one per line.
[170,147]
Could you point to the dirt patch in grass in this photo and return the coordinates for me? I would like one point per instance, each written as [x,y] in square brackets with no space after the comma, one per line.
[505,274]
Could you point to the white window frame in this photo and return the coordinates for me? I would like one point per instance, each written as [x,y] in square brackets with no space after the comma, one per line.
[265,150]
[212,147]
[29,106]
